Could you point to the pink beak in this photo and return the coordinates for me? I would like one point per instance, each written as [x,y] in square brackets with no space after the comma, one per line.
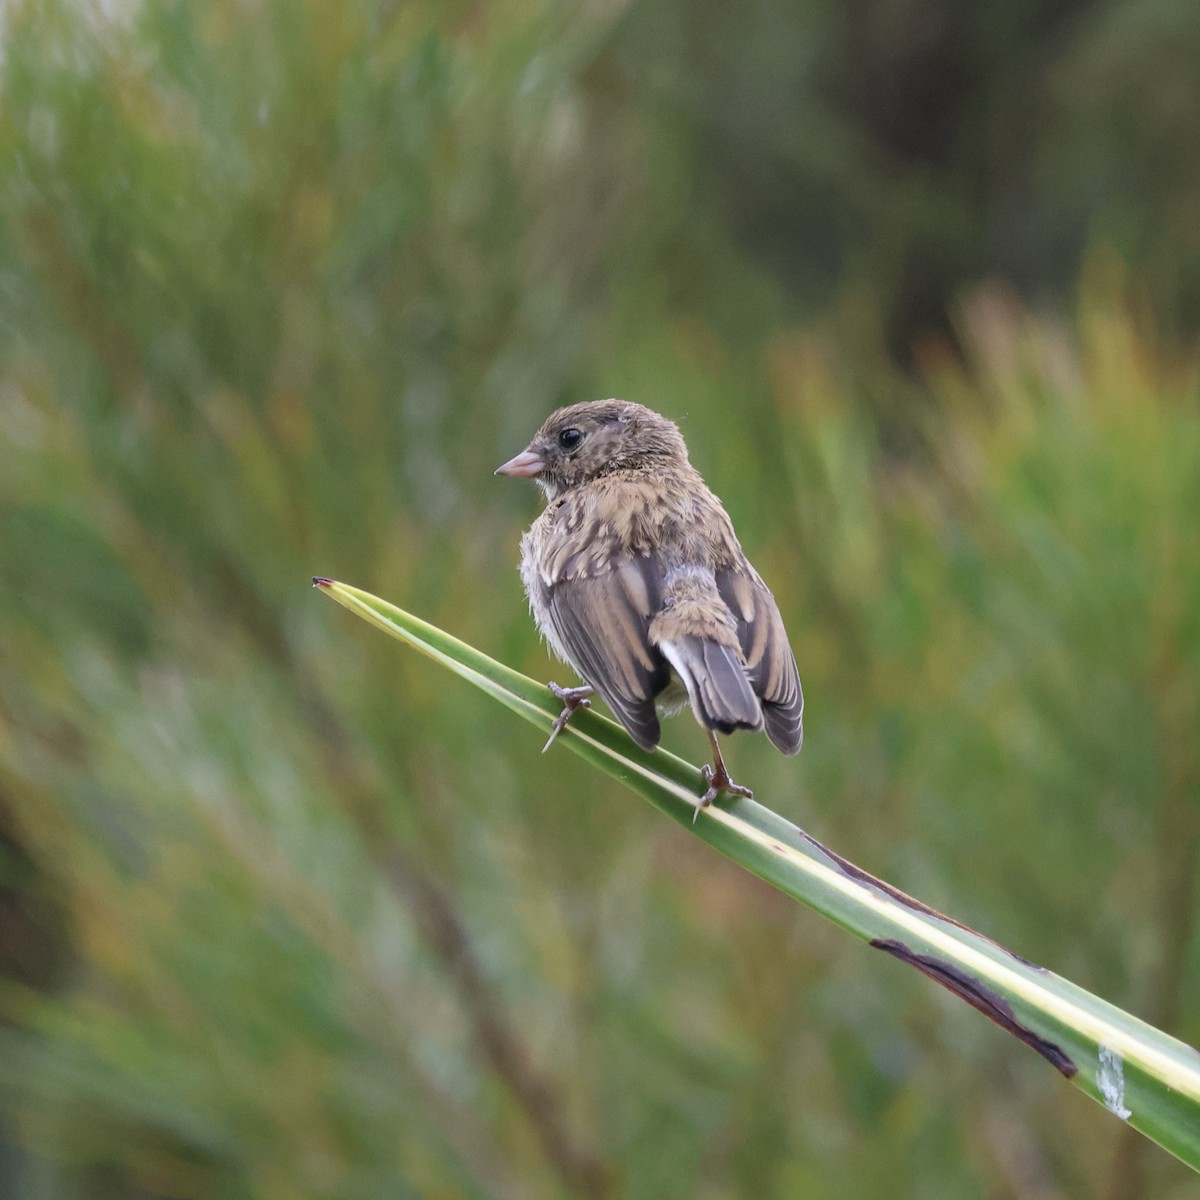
[525,466]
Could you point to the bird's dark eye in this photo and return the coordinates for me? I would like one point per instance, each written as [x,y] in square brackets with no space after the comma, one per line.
[568,439]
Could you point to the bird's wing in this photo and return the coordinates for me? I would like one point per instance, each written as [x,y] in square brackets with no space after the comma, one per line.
[770,664]
[601,621]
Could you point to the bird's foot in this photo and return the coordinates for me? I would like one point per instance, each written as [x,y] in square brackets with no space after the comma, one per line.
[718,781]
[571,699]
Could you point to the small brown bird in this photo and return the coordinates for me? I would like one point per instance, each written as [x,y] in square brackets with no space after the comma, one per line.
[637,580]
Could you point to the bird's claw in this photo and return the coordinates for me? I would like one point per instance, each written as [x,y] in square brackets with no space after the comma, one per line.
[718,781]
[571,699]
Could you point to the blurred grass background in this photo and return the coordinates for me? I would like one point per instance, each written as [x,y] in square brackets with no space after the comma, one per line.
[287,913]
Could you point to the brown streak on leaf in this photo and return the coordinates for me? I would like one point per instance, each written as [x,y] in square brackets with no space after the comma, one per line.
[990,1003]
[857,873]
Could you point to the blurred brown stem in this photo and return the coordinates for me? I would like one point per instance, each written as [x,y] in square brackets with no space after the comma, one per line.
[582,1173]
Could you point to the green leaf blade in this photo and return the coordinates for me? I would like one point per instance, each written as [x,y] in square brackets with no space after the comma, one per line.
[1137,1072]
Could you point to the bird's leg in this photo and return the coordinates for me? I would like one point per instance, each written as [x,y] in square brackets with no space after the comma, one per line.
[717,778]
[571,698]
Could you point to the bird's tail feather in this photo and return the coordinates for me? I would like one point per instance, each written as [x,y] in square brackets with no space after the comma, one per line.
[716,683]
[785,724]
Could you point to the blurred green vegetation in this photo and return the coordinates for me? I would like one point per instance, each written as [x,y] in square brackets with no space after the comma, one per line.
[286,913]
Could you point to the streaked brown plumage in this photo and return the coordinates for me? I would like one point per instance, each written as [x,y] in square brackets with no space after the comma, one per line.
[637,580]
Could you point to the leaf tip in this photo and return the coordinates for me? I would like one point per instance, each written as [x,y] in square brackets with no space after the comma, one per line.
[319,581]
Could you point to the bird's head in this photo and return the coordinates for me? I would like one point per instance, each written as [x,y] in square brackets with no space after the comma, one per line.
[585,441]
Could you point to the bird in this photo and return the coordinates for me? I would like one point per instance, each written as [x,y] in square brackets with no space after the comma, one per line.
[637,581]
